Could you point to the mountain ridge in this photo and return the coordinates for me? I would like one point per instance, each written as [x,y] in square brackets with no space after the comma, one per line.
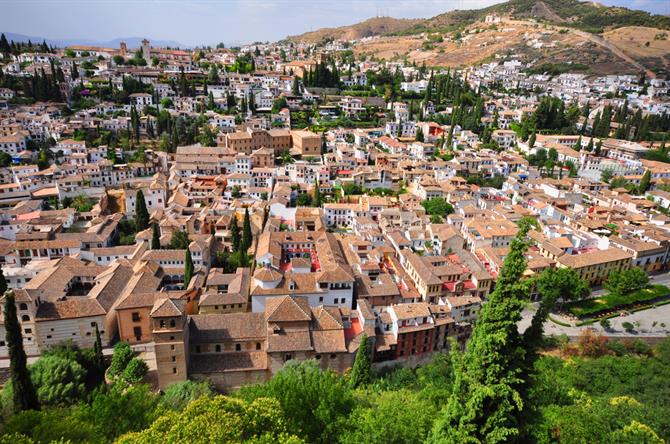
[132,42]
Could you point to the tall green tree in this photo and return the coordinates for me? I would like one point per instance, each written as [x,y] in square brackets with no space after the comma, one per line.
[188,268]
[141,212]
[645,182]
[235,233]
[3,282]
[361,372]
[486,403]
[155,237]
[419,135]
[247,236]
[295,90]
[99,358]
[23,391]
[317,200]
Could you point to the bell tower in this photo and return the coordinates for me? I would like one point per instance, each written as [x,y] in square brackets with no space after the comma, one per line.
[169,327]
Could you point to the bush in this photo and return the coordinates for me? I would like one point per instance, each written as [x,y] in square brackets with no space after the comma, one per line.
[122,356]
[606,324]
[618,348]
[135,371]
[628,327]
[641,347]
[58,380]
[180,394]
[591,344]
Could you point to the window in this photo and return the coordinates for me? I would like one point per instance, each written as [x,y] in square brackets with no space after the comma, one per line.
[258,345]
[174,358]
[137,331]
[23,306]
[333,356]
[320,298]
[25,318]
[288,357]
[172,323]
[172,347]
[28,330]
[162,323]
[197,349]
[136,316]
[238,347]
[218,348]
[174,370]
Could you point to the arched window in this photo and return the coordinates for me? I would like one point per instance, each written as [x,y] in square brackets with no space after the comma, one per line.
[258,345]
[25,318]
[23,306]
[172,323]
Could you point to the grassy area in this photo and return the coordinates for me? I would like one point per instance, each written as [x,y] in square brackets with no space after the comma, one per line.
[611,301]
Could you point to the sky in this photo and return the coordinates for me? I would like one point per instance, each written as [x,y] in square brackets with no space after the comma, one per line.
[198,22]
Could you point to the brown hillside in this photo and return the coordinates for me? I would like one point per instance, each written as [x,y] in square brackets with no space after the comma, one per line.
[368,28]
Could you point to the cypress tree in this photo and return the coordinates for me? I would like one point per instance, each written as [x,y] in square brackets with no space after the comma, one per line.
[419,135]
[361,372]
[188,268]
[235,233]
[3,282]
[247,237]
[644,182]
[97,348]
[156,237]
[486,403]
[4,45]
[598,148]
[141,213]
[318,199]
[531,140]
[296,86]
[24,395]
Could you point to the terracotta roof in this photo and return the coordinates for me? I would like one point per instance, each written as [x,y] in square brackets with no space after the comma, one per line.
[287,309]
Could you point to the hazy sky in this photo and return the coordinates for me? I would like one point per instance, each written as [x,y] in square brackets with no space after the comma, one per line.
[192,22]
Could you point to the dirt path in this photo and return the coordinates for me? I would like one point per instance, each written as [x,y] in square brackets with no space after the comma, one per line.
[615,50]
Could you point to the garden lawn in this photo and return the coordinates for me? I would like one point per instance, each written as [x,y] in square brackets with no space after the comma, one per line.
[609,301]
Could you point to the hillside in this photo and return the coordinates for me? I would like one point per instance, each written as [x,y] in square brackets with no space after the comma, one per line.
[604,39]
[371,27]
[588,16]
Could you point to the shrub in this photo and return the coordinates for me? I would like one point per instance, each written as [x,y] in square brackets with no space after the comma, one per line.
[591,344]
[135,371]
[122,356]
[628,326]
[618,348]
[606,324]
[180,394]
[641,347]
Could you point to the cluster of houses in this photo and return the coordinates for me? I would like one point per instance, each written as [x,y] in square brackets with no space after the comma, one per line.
[362,257]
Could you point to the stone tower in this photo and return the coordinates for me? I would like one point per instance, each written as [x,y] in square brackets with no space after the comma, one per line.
[146,51]
[123,49]
[170,333]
